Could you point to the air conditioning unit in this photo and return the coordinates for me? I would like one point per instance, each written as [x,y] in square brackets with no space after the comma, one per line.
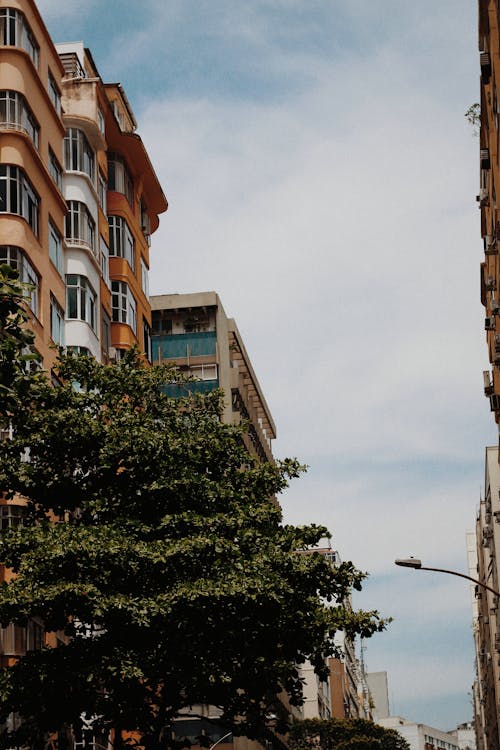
[485,65]
[488,385]
[484,158]
[490,244]
[495,402]
[112,354]
[490,283]
[489,323]
[487,519]
[495,306]
[496,515]
[483,197]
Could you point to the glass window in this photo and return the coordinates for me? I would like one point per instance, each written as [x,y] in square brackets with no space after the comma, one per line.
[119,178]
[55,94]
[17,195]
[104,261]
[16,32]
[78,154]
[80,226]
[81,300]
[100,120]
[55,169]
[105,331]
[55,248]
[11,516]
[123,304]
[16,259]
[15,114]
[121,241]
[101,191]
[146,332]
[56,322]
[144,277]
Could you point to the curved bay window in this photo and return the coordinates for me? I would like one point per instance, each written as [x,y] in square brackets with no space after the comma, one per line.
[15,32]
[78,154]
[119,178]
[81,300]
[17,195]
[16,115]
[80,226]
[16,259]
[121,241]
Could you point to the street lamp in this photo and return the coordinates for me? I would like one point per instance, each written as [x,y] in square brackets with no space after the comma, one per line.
[416,564]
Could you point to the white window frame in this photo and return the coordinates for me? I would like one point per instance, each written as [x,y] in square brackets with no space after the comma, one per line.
[56,252]
[123,305]
[56,322]
[82,298]
[80,225]
[78,153]
[16,32]
[104,249]
[20,196]
[15,114]
[121,240]
[119,178]
[144,277]
[55,169]
[54,94]
[16,258]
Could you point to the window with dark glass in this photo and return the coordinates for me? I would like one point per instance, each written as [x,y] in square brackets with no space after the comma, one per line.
[81,300]
[119,178]
[11,516]
[54,94]
[16,259]
[80,226]
[55,169]
[56,322]
[17,195]
[55,248]
[123,305]
[146,332]
[121,241]
[16,32]
[15,114]
[78,154]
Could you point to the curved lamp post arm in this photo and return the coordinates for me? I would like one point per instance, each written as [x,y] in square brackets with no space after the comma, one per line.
[220,740]
[417,565]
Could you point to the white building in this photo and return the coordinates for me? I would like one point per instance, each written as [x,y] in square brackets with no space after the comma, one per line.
[420,736]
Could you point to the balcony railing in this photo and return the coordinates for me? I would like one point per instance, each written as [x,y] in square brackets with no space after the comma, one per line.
[184,345]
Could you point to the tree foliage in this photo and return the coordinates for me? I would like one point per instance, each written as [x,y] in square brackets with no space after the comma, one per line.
[152,548]
[344,734]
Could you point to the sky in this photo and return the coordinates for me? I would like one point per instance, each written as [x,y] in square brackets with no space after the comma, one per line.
[321,178]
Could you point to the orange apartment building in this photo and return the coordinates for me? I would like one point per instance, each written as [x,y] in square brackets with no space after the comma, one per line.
[79,200]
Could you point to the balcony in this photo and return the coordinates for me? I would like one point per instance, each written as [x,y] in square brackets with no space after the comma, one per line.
[184,345]
[181,390]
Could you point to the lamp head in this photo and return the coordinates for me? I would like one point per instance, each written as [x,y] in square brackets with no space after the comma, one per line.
[411,562]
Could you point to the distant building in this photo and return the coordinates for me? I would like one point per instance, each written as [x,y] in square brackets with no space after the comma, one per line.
[465,735]
[486,616]
[193,332]
[346,694]
[377,683]
[421,736]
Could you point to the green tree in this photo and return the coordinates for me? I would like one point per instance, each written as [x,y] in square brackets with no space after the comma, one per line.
[151,547]
[344,734]
[15,337]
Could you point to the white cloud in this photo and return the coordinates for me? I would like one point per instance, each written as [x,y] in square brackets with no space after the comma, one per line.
[340,229]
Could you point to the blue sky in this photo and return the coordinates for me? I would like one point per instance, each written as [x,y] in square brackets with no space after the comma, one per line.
[321,177]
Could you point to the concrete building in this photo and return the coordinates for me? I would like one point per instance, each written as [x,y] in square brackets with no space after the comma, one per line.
[79,198]
[347,693]
[379,689]
[193,332]
[486,617]
[420,736]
